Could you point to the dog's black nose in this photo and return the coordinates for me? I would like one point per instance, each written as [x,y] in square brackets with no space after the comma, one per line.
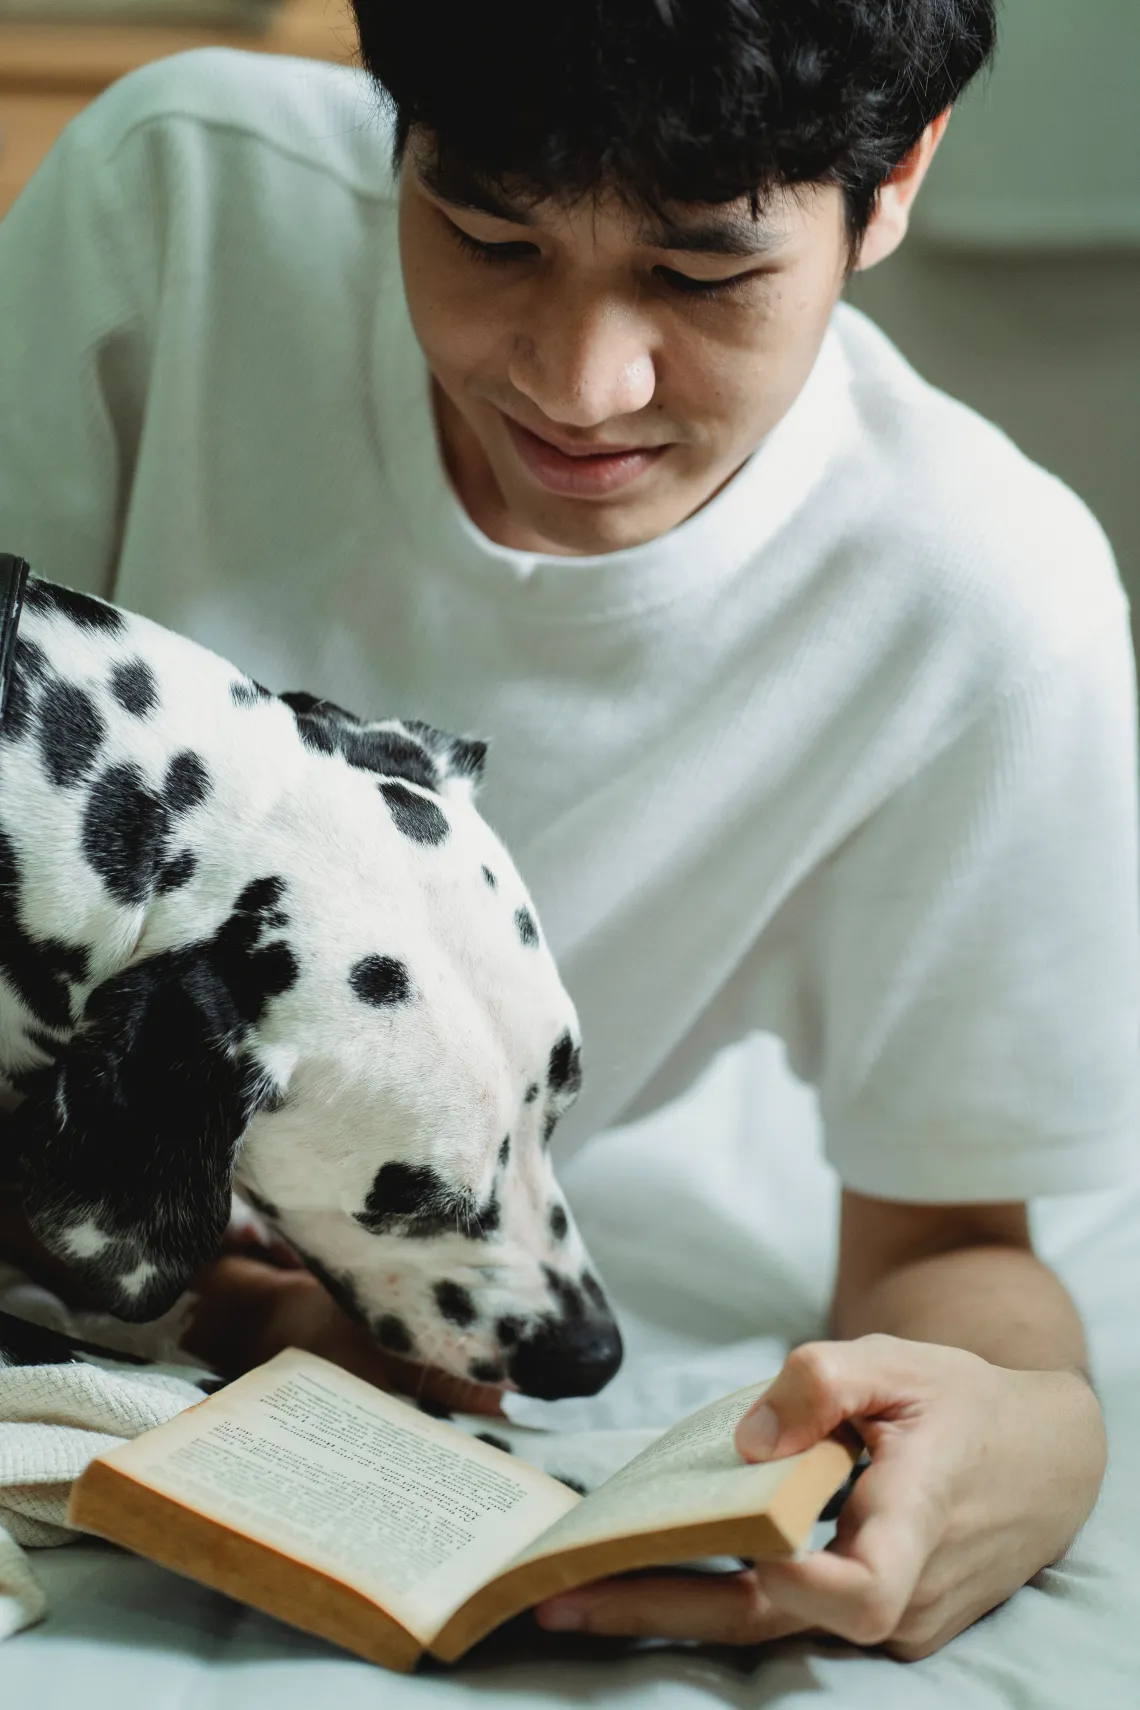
[560,1359]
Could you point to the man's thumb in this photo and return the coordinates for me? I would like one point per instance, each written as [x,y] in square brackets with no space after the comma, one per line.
[814,1393]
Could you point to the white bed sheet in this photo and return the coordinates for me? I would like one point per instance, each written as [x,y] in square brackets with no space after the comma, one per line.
[708,1220]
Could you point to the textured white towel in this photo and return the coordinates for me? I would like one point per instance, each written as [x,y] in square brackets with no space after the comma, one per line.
[56,1418]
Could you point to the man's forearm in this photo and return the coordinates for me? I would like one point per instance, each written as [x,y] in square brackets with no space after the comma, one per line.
[1000,1302]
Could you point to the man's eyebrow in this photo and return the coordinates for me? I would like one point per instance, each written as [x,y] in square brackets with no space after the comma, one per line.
[739,237]
[472,194]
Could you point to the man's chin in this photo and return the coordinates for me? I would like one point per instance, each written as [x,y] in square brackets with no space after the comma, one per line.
[586,528]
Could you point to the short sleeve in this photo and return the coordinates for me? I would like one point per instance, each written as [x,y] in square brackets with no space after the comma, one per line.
[976,952]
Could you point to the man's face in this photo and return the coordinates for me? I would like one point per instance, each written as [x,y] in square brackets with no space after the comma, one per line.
[599,375]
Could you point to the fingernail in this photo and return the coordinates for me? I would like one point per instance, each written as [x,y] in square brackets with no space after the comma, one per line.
[560,1617]
[758,1432]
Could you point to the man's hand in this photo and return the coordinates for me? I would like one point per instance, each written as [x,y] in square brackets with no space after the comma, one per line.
[247,1310]
[979,1477]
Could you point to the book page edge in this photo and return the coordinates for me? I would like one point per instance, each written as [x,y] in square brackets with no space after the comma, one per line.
[776,1533]
[198,1548]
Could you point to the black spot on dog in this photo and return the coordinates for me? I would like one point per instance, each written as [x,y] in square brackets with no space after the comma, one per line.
[378,748]
[455,1303]
[549,1124]
[390,755]
[486,1371]
[508,1331]
[256,973]
[489,1218]
[558,1221]
[380,980]
[82,609]
[30,660]
[490,878]
[71,731]
[566,1293]
[393,1334]
[593,1289]
[178,871]
[504,1152]
[434,1409]
[187,782]
[468,758]
[301,701]
[135,687]
[495,1442]
[341,1288]
[124,829]
[42,970]
[564,1073]
[531,1093]
[244,692]
[414,1200]
[527,928]
[460,756]
[316,734]
[146,1107]
[262,897]
[416,816]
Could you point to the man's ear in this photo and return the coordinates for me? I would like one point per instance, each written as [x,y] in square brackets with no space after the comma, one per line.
[891,218]
[127,1143]
[391,748]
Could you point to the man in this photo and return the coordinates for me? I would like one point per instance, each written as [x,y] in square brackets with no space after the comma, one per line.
[811,700]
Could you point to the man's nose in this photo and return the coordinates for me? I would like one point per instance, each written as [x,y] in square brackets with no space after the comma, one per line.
[584,362]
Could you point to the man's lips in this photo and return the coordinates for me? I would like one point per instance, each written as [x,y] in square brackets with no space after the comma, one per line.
[582,471]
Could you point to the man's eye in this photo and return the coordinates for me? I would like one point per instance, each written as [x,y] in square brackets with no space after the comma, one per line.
[489,251]
[689,287]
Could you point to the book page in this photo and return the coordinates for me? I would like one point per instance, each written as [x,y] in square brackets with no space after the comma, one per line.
[690,1475]
[320,1465]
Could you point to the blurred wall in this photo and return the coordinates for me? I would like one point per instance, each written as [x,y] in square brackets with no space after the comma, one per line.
[1048,347]
[1019,288]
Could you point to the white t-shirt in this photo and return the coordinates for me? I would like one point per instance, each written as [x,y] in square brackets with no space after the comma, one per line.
[848,757]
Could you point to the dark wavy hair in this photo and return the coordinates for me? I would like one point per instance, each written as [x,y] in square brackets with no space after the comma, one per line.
[674,100]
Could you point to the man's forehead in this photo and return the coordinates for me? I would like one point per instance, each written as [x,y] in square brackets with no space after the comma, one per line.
[743,227]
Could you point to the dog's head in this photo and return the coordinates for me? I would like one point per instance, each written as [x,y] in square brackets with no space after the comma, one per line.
[372,1043]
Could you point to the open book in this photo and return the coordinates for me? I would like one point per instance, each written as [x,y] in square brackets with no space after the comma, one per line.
[313,1496]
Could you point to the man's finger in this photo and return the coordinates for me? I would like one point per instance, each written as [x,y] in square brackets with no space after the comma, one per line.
[717,1609]
[859,1589]
[820,1386]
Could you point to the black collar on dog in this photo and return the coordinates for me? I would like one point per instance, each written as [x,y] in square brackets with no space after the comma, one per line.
[13,578]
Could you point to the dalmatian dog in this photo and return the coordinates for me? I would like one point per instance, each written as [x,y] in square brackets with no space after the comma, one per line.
[253,942]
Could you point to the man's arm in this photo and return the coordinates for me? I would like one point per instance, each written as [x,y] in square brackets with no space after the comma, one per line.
[965,1276]
[960,1360]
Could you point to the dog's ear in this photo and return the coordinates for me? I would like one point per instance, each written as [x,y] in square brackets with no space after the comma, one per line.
[127,1142]
[392,748]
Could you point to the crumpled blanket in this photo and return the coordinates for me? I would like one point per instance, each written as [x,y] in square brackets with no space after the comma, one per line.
[61,1406]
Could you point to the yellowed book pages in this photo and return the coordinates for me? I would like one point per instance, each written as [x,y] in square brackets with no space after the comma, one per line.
[308,1493]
